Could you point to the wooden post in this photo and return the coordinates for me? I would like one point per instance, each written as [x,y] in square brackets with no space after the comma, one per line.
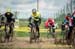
[37,5]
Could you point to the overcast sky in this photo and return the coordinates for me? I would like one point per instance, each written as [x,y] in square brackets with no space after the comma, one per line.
[47,8]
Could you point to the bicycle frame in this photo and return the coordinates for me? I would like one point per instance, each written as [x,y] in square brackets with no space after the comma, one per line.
[8,35]
[73,37]
[34,33]
[50,31]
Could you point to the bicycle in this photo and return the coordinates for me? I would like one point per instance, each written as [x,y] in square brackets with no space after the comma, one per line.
[52,32]
[73,37]
[9,31]
[33,33]
[65,33]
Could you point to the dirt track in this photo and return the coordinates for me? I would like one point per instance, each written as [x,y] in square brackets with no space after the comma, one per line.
[21,42]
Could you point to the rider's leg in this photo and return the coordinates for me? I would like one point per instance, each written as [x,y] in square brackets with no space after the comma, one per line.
[38,31]
[11,28]
[5,38]
[53,31]
[37,28]
[69,33]
[11,31]
[31,28]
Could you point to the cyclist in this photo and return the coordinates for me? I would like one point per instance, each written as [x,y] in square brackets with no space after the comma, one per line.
[73,30]
[66,21]
[73,15]
[9,22]
[50,23]
[36,19]
[69,20]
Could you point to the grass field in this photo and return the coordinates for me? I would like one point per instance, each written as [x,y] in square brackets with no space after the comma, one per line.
[42,34]
[22,40]
[27,29]
[24,31]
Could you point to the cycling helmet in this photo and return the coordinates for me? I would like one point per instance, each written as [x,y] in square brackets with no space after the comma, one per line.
[69,14]
[34,10]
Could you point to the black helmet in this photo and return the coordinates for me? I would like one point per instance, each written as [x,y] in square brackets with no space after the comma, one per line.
[69,14]
[34,10]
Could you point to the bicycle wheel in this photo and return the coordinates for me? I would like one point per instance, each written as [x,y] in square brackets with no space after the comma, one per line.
[11,31]
[49,32]
[1,35]
[73,41]
[7,35]
[73,37]
[31,35]
[34,34]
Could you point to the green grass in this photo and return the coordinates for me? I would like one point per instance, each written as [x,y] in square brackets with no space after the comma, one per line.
[22,34]
[25,23]
[42,34]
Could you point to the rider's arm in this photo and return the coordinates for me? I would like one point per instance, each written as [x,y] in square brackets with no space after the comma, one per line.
[13,18]
[40,20]
[5,15]
[29,19]
[65,21]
